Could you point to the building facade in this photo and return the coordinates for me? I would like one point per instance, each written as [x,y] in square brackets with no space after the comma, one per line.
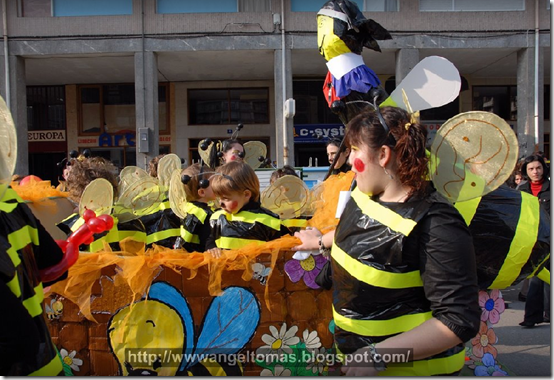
[129,79]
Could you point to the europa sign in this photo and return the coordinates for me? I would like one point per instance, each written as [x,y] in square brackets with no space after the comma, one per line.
[45,136]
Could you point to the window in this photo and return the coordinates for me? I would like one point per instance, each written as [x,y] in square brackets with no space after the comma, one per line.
[500,100]
[111,108]
[36,8]
[363,5]
[212,6]
[470,5]
[45,108]
[60,8]
[229,106]
[380,5]
[311,106]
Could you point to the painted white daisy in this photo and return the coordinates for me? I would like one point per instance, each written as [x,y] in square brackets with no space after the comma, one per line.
[317,362]
[311,340]
[70,359]
[279,371]
[278,343]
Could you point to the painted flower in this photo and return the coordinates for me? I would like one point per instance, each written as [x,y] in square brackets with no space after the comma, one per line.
[483,342]
[70,359]
[492,305]
[279,371]
[311,340]
[308,269]
[489,367]
[317,361]
[278,343]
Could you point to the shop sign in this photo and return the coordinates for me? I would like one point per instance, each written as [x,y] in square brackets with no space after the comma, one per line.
[317,133]
[45,136]
[120,139]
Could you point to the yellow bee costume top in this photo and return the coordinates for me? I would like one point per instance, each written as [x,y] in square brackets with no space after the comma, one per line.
[195,227]
[252,224]
[392,267]
[27,347]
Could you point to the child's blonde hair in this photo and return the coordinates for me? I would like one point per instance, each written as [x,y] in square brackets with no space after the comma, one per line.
[193,185]
[236,176]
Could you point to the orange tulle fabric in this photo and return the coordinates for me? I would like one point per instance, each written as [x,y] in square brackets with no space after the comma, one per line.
[35,191]
[137,267]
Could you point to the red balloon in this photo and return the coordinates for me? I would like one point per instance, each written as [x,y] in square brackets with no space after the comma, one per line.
[97,225]
[108,219]
[88,214]
[28,179]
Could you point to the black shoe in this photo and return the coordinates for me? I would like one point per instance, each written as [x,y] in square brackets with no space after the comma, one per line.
[528,324]
[521,297]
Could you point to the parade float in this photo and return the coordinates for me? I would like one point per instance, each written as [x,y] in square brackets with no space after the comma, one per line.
[132,307]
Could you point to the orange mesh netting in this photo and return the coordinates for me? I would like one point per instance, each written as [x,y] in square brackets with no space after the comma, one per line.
[137,267]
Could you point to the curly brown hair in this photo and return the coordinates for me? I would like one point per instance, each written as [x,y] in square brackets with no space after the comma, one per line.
[406,139]
[153,165]
[84,172]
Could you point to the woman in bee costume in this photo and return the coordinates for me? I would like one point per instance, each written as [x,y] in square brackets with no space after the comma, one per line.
[402,257]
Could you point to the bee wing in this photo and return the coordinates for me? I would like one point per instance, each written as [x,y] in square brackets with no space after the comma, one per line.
[230,323]
[98,197]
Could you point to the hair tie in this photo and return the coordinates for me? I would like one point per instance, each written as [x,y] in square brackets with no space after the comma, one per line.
[407,126]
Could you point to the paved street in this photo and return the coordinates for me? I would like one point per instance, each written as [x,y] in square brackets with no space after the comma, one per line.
[524,351]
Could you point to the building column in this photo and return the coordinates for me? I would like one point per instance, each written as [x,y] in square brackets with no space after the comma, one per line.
[526,134]
[146,106]
[283,77]
[406,59]
[18,107]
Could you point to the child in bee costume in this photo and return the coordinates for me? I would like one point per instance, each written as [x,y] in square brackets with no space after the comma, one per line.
[195,227]
[242,220]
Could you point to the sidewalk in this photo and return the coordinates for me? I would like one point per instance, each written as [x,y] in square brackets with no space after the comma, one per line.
[523,351]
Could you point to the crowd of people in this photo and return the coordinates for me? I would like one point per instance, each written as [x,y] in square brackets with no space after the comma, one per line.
[401,265]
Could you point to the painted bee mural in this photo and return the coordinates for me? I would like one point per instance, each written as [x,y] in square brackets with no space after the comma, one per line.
[156,337]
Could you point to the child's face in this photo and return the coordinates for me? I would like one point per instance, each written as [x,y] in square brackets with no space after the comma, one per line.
[233,153]
[206,194]
[233,202]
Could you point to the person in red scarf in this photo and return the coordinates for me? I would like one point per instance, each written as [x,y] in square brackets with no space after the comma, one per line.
[537,305]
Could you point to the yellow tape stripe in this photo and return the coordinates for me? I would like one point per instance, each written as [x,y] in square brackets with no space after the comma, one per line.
[544,275]
[468,208]
[250,217]
[51,369]
[9,201]
[388,102]
[34,304]
[196,211]
[382,214]
[13,285]
[161,235]
[235,243]
[374,276]
[20,239]
[431,367]
[295,222]
[521,247]
[116,236]
[188,237]
[383,327]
